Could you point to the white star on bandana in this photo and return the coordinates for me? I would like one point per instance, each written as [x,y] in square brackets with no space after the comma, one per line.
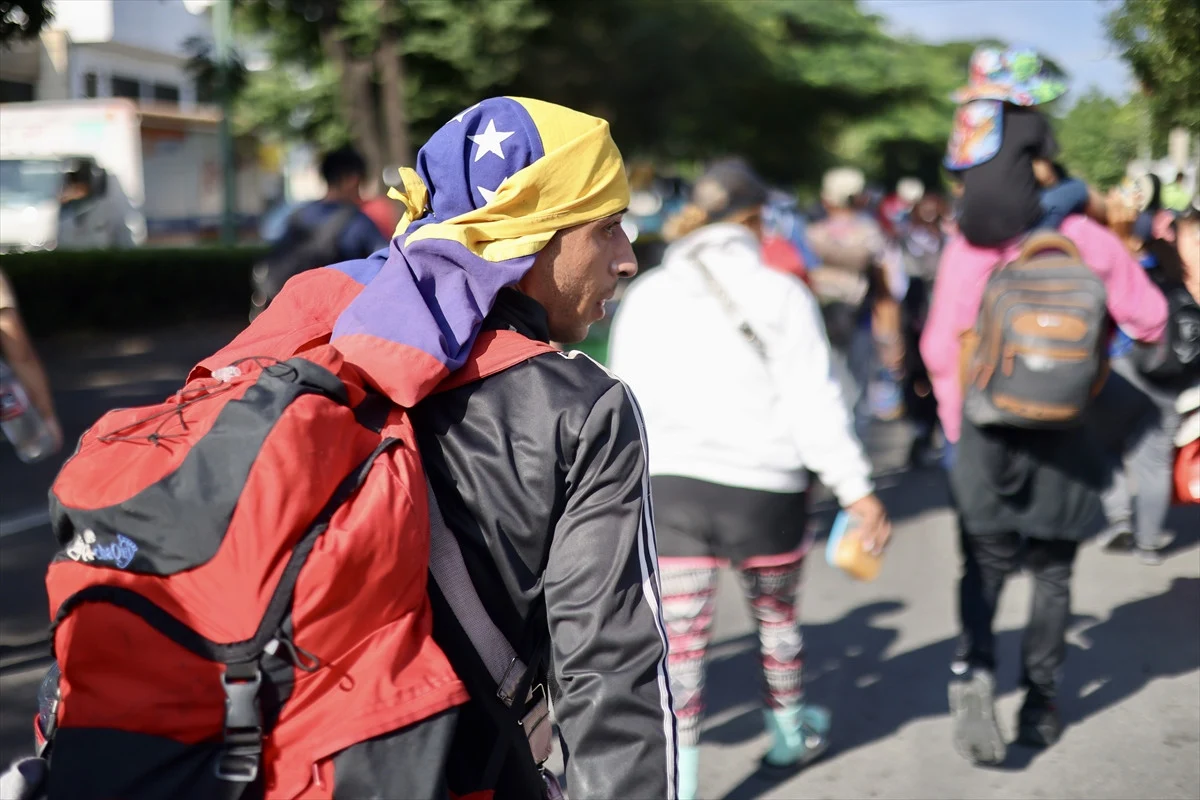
[489,141]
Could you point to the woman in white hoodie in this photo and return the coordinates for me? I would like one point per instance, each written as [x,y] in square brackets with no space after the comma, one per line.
[729,361]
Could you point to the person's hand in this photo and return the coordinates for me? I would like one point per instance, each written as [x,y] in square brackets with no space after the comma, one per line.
[875,529]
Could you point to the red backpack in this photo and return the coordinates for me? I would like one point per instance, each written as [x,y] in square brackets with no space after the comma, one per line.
[241,592]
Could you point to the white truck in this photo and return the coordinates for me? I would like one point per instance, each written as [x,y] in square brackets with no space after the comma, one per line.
[108,173]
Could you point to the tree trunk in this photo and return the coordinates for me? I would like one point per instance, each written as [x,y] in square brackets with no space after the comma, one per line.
[358,105]
[390,60]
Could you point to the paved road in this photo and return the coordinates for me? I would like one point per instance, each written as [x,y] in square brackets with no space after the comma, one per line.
[877,652]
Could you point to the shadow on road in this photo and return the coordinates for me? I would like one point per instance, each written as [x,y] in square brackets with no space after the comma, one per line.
[25,616]
[872,696]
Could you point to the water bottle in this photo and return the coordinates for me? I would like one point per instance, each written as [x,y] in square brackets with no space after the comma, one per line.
[20,421]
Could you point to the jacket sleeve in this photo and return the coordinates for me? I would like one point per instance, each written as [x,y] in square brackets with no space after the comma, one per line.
[608,643]
[822,428]
[1134,302]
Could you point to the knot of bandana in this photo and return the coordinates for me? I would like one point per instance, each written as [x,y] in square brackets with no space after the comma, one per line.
[415,198]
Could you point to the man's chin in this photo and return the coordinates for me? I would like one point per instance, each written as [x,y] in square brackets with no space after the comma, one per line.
[570,336]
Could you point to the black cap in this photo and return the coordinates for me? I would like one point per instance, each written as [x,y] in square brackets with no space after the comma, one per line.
[727,187]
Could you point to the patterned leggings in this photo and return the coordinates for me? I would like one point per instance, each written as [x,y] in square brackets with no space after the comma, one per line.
[688,595]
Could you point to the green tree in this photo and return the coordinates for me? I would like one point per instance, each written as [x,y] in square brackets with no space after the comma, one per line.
[908,137]
[794,85]
[677,81]
[1098,136]
[775,80]
[23,19]
[378,73]
[1161,41]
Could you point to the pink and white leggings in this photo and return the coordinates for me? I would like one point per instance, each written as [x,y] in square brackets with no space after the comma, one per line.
[689,589]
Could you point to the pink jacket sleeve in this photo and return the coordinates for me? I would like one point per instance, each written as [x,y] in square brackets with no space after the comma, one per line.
[962,274]
[1134,302]
[940,339]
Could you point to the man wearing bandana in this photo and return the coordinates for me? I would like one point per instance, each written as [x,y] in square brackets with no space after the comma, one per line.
[512,228]
[513,222]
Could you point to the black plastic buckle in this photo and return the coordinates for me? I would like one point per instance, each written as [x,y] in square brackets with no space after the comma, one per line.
[536,725]
[507,691]
[241,737]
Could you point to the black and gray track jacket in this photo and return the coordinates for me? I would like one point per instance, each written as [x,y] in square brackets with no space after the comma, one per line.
[540,472]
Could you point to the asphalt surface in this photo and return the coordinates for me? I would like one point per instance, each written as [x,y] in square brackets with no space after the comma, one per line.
[877,653]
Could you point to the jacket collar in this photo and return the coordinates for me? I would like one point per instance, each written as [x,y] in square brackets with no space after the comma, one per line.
[518,312]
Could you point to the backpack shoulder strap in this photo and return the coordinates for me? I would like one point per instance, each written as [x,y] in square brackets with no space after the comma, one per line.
[325,233]
[727,303]
[494,352]
[509,673]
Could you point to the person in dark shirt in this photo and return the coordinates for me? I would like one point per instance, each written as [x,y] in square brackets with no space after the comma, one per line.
[343,171]
[328,231]
[1002,197]
[998,139]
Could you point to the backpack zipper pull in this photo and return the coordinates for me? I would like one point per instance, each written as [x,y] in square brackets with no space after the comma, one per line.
[297,655]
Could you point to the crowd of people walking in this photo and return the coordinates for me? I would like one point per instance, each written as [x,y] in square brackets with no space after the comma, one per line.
[374,539]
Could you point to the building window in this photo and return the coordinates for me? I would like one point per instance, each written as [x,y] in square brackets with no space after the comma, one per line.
[15,92]
[166,93]
[90,85]
[126,87]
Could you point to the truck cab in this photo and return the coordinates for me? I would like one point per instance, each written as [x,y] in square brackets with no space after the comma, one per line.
[63,202]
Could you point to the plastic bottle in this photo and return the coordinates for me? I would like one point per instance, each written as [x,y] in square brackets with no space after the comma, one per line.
[21,423]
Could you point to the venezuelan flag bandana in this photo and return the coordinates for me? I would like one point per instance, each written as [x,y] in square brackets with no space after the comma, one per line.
[490,189]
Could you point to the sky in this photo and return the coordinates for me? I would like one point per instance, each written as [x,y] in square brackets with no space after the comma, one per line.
[1069,31]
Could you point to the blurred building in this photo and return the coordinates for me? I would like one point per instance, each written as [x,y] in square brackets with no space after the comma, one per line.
[135,49]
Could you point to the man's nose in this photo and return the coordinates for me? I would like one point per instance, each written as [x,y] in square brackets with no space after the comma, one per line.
[626,261]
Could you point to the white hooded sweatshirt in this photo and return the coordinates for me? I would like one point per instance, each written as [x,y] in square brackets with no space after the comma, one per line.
[715,410]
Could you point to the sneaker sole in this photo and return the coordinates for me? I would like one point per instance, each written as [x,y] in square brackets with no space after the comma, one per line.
[977,736]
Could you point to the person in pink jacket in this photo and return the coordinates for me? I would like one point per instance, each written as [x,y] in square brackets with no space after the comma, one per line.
[1020,493]
[1133,301]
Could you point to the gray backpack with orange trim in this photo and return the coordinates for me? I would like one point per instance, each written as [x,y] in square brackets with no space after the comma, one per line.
[1039,351]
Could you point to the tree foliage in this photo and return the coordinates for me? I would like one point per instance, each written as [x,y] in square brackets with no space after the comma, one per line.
[1161,41]
[908,138]
[380,73]
[203,69]
[1099,136]
[777,80]
[795,85]
[23,19]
